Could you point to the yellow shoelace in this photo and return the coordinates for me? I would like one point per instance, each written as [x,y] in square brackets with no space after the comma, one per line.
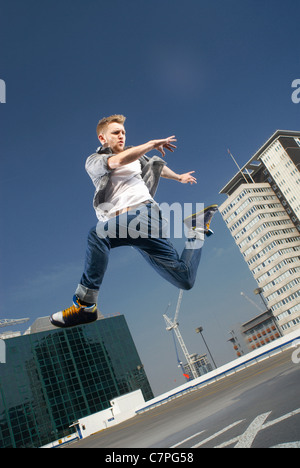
[71,310]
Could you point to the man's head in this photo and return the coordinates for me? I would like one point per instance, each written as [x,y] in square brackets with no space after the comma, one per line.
[111,132]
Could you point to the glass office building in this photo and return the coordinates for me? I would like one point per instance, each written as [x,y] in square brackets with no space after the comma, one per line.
[54,377]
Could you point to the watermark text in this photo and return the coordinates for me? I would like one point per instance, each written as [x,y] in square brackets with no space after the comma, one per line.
[2,92]
[296,353]
[2,352]
[296,94]
[154,221]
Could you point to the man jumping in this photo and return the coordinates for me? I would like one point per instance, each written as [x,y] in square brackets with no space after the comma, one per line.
[126,181]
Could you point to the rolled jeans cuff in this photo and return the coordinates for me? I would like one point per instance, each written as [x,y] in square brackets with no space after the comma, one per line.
[86,294]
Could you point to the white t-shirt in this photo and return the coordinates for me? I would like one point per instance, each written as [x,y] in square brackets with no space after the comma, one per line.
[126,188]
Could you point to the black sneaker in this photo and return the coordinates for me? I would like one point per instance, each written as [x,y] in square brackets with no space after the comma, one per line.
[77,314]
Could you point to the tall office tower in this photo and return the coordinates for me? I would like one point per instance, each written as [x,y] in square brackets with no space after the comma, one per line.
[262,212]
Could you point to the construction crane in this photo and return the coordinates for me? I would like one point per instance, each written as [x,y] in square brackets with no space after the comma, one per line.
[175,346]
[173,325]
[8,322]
[252,302]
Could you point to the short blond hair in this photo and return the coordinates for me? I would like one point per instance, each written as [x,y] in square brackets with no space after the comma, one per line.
[102,124]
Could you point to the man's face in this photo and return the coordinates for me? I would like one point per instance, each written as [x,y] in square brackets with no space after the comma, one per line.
[114,136]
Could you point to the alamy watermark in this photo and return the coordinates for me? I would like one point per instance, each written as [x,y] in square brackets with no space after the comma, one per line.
[296,94]
[296,353]
[2,352]
[2,92]
[154,221]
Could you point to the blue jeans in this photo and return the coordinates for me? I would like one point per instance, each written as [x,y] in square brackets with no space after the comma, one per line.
[142,229]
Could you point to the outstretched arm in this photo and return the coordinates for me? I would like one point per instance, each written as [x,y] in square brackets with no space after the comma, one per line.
[132,154]
[186,178]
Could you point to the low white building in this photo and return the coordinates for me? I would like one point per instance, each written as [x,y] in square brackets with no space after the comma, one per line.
[121,409]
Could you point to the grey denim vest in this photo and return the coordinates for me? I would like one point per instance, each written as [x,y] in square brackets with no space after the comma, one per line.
[97,169]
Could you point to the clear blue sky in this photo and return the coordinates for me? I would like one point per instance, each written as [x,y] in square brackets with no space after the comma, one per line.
[216,74]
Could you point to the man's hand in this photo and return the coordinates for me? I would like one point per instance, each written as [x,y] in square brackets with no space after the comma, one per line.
[164,143]
[187,178]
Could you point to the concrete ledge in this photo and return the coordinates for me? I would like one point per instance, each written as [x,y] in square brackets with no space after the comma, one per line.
[265,352]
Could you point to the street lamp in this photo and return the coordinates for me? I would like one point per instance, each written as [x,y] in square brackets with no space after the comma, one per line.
[200,330]
[259,291]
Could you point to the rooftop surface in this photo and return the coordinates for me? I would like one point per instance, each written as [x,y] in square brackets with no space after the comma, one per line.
[254,408]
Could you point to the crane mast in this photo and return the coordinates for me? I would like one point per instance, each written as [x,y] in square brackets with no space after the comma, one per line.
[174,325]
